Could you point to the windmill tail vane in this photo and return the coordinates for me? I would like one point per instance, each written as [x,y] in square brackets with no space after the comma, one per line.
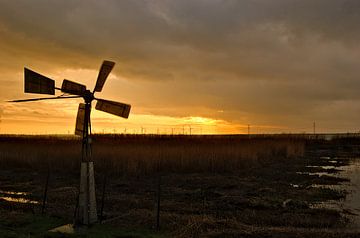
[40,84]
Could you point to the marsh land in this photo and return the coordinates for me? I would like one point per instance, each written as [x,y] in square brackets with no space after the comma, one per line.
[210,186]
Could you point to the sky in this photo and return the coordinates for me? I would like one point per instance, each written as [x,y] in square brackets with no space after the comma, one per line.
[205,66]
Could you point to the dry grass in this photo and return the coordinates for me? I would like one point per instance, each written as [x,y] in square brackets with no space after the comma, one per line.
[145,154]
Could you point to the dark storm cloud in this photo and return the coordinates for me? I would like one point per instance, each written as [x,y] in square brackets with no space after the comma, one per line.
[257,60]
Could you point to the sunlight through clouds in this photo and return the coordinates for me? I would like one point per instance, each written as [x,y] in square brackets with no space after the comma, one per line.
[276,65]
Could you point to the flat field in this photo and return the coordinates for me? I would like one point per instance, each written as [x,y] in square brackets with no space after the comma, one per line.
[210,186]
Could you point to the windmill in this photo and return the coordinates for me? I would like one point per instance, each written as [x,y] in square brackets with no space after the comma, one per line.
[36,83]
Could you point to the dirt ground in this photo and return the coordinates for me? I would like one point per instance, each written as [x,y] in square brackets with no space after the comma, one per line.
[269,200]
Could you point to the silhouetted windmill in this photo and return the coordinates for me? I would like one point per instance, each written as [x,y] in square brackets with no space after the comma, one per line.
[37,83]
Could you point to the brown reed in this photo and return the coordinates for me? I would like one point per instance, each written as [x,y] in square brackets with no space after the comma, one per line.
[148,154]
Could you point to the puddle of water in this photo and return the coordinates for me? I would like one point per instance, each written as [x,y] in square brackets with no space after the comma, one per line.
[325,157]
[66,229]
[14,193]
[352,201]
[19,200]
[315,173]
[323,167]
[9,197]
[351,204]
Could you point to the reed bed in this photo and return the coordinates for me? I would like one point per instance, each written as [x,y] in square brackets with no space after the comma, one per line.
[148,154]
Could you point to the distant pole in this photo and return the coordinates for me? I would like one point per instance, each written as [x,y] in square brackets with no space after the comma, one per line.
[314,128]
[172,131]
[190,128]
[248,130]
[183,130]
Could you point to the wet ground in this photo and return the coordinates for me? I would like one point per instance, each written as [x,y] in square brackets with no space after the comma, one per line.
[315,195]
[350,205]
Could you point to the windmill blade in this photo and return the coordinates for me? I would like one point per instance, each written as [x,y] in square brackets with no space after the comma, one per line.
[37,83]
[115,108]
[38,99]
[80,120]
[72,87]
[104,72]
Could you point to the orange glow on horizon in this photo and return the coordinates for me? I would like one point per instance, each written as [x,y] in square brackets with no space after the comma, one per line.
[136,124]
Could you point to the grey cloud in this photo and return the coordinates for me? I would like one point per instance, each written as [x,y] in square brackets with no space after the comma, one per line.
[252,58]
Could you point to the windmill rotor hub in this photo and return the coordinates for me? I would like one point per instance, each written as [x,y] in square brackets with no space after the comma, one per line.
[88,96]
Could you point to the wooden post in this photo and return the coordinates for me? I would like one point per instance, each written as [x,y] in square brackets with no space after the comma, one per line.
[203,193]
[45,191]
[103,198]
[158,197]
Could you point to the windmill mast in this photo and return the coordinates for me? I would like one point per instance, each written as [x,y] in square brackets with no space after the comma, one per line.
[86,212]
[86,138]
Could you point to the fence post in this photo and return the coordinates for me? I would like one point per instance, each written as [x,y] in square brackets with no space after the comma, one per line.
[158,197]
[103,198]
[45,190]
